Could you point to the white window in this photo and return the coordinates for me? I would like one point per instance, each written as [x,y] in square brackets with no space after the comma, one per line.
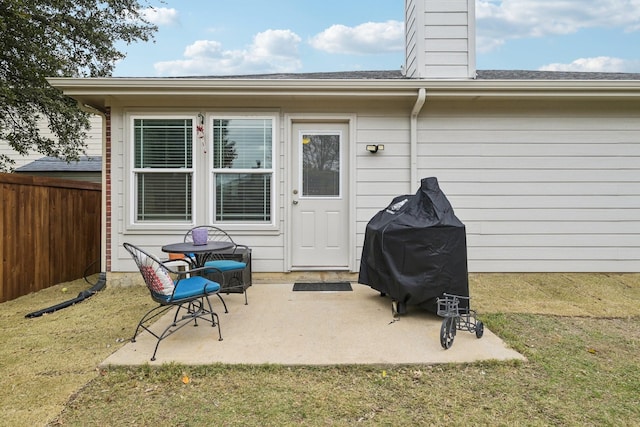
[163,169]
[243,170]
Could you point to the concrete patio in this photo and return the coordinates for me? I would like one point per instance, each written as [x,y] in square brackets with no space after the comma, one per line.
[281,326]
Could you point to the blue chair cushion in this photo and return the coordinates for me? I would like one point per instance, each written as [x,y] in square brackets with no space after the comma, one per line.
[192,287]
[225,265]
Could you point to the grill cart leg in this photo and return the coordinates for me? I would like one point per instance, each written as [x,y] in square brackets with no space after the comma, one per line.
[398,307]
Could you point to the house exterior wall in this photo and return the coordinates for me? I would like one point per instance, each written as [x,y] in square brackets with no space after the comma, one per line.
[94,144]
[268,246]
[440,39]
[542,185]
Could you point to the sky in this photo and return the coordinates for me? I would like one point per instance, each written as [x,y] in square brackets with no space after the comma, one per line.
[232,37]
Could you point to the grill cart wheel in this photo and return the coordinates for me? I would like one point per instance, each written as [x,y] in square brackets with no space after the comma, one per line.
[479,329]
[447,332]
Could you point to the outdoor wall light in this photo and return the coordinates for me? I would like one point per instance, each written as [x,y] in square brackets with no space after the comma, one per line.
[374,148]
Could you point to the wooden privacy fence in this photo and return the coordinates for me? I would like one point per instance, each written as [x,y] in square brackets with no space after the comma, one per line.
[49,232]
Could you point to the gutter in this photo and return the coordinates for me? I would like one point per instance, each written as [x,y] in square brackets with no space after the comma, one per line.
[413,153]
[468,88]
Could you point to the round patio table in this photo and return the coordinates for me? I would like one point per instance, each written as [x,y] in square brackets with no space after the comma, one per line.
[201,253]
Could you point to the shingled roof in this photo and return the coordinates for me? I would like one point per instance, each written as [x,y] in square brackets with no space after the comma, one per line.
[397,75]
[53,164]
[552,75]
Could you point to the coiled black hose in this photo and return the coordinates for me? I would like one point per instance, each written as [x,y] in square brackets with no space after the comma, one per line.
[98,286]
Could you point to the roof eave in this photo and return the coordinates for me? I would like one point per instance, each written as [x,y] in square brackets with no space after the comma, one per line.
[94,89]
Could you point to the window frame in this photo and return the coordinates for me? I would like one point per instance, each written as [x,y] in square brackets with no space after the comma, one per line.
[273,171]
[133,172]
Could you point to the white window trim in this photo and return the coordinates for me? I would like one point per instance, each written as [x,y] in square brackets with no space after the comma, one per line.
[130,170]
[202,174]
[275,183]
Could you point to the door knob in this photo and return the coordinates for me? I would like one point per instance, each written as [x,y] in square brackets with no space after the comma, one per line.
[295,202]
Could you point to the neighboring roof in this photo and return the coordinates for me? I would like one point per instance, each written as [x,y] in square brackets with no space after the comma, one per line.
[53,164]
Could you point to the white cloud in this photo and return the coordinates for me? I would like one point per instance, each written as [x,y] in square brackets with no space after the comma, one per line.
[279,43]
[160,15]
[500,20]
[272,51]
[368,38]
[487,44]
[597,64]
[203,49]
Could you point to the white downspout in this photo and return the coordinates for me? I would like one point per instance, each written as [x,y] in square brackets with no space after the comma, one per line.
[422,96]
[103,221]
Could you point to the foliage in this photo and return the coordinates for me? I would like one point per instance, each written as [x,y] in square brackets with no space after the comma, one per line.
[62,38]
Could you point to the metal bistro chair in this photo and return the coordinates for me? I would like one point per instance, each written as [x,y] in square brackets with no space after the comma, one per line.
[231,264]
[189,293]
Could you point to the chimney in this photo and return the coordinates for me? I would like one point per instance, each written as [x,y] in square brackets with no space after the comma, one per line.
[440,39]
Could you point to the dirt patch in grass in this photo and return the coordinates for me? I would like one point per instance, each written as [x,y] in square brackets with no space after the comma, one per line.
[45,361]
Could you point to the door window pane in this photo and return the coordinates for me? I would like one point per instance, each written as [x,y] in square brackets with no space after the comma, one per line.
[321,165]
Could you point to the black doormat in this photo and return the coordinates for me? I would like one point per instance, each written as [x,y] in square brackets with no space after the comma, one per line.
[322,286]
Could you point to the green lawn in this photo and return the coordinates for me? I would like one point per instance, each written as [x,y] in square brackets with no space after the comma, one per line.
[581,346]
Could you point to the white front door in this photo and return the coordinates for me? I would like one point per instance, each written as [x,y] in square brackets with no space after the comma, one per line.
[319,196]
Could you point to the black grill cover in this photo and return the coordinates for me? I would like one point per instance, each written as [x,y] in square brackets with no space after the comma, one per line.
[416,249]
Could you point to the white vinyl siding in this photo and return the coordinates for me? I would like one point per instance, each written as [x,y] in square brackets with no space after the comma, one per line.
[555,187]
[264,237]
[542,185]
[382,176]
[411,39]
[440,39]
[93,141]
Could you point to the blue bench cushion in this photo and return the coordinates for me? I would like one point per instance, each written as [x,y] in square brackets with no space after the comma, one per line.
[225,265]
[192,287]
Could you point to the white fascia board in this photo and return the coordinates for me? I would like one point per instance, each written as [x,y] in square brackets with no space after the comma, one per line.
[103,87]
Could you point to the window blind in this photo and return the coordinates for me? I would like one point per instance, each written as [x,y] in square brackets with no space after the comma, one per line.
[163,147]
[243,169]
